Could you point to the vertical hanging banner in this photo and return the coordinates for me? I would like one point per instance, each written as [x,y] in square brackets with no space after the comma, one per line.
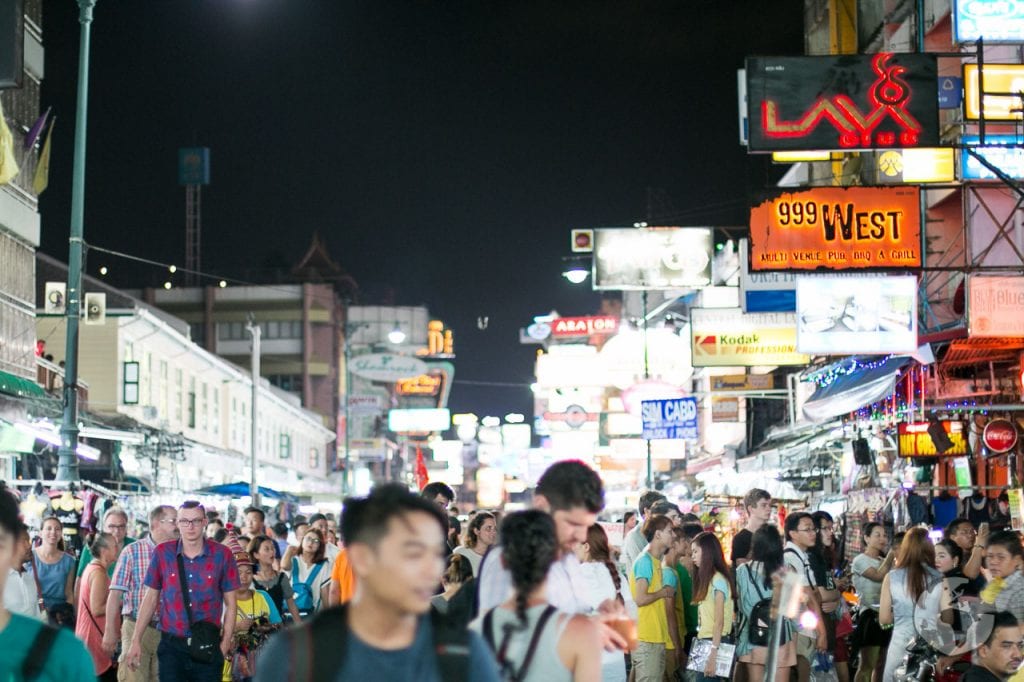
[875,101]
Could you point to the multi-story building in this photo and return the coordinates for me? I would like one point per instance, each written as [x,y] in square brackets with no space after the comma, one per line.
[19,230]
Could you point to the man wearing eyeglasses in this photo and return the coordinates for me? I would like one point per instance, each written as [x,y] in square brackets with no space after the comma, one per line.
[211,576]
[801,534]
[115,522]
[126,590]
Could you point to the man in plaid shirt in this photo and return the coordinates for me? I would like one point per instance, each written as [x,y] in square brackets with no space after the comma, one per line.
[125,596]
[211,576]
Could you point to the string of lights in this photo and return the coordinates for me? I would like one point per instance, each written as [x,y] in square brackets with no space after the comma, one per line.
[831,373]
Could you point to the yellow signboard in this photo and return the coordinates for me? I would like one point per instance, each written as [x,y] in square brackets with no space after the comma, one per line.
[727,337]
[927,164]
[1001,78]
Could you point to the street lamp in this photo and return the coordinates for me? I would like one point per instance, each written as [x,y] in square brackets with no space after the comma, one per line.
[67,463]
[396,335]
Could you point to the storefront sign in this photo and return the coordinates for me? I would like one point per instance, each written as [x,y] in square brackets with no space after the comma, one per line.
[574,416]
[993,78]
[837,228]
[926,439]
[386,367]
[866,314]
[997,21]
[419,420]
[726,337]
[995,306]
[763,292]
[365,403]
[842,102]
[999,436]
[1009,159]
[652,258]
[669,419]
[424,384]
[742,382]
[917,166]
[725,409]
[566,327]
[1016,499]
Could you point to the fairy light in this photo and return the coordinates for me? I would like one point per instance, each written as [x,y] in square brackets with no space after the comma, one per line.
[829,375]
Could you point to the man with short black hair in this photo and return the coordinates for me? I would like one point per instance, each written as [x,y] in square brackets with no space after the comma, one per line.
[758,505]
[666,508]
[254,523]
[801,534]
[439,493]
[999,657]
[634,542]
[572,493]
[393,538]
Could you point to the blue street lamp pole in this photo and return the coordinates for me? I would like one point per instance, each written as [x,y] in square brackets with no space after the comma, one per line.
[67,459]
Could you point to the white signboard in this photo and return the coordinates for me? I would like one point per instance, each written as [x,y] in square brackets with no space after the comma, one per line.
[419,420]
[856,315]
[365,403]
[652,258]
[386,366]
[996,306]
[762,292]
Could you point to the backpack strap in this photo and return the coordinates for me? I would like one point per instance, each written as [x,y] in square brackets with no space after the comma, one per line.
[35,660]
[451,645]
[322,641]
[538,630]
[807,568]
[754,582]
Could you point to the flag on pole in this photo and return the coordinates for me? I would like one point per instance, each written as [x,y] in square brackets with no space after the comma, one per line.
[36,129]
[422,477]
[8,164]
[42,177]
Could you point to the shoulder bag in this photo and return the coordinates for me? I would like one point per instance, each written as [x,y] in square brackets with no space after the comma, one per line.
[203,642]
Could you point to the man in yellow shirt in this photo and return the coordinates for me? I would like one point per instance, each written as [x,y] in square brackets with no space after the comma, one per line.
[650,595]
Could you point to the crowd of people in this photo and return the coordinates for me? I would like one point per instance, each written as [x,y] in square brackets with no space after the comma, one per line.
[401,589]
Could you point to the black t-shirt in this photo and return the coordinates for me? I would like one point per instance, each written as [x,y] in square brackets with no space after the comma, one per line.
[978,674]
[742,544]
[820,568]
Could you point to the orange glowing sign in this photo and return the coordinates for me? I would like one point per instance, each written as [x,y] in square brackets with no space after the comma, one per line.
[837,228]
[424,384]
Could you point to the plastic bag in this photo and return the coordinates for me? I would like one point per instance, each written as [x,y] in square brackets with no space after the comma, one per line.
[823,668]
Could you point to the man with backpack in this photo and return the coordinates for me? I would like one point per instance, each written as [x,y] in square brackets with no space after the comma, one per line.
[801,534]
[386,632]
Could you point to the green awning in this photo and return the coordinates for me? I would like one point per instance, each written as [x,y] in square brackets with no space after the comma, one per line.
[17,386]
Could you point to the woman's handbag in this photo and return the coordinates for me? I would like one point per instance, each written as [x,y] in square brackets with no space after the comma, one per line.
[700,650]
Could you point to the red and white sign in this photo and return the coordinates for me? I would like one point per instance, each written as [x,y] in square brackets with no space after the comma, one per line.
[563,327]
[999,436]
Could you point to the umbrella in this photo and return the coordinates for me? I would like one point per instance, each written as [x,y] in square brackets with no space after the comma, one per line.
[240,489]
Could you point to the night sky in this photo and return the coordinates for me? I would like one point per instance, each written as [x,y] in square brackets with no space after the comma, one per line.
[443,149]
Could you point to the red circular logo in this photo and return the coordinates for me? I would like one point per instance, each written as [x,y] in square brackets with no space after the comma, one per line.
[1000,436]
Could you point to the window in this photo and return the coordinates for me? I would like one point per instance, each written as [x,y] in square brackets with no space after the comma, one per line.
[192,402]
[231,331]
[286,382]
[177,396]
[162,390]
[314,458]
[197,330]
[215,421]
[204,407]
[284,447]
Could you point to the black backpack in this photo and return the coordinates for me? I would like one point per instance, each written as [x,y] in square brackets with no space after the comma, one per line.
[759,625]
[317,647]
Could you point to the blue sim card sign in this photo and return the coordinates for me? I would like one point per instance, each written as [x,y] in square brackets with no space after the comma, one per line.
[669,419]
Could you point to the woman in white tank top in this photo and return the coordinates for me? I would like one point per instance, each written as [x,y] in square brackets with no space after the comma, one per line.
[532,640]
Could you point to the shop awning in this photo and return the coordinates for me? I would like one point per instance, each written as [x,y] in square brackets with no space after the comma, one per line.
[17,386]
[241,489]
[858,381]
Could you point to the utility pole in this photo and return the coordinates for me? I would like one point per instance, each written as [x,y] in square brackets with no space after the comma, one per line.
[254,329]
[67,457]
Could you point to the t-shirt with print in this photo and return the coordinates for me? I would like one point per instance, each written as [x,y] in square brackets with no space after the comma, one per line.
[67,661]
[819,569]
[869,591]
[416,663]
[706,608]
[652,621]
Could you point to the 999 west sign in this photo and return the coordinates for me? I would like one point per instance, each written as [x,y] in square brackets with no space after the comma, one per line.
[837,228]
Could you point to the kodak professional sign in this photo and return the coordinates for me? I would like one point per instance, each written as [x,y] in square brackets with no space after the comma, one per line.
[837,228]
[726,337]
[563,327]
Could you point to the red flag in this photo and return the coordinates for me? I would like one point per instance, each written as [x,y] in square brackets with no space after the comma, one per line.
[422,477]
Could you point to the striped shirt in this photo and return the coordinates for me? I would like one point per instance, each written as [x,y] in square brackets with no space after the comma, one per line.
[130,575]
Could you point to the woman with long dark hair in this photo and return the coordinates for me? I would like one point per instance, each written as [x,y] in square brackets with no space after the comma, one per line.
[902,589]
[273,582]
[532,640]
[603,582]
[55,569]
[481,535]
[755,582]
[713,594]
[311,574]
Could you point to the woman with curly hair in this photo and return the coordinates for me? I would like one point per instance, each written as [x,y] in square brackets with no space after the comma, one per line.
[481,535]
[532,640]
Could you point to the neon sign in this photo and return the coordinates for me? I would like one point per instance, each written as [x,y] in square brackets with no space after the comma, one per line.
[876,101]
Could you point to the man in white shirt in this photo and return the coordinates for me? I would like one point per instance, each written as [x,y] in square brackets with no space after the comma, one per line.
[800,537]
[21,595]
[573,494]
[635,542]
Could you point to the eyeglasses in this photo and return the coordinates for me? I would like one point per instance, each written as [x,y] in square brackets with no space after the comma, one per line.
[812,529]
[312,541]
[112,526]
[168,520]
[190,523]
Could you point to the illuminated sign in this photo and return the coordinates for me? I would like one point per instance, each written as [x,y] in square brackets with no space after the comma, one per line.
[856,314]
[842,102]
[919,166]
[997,21]
[419,420]
[999,436]
[652,258]
[995,306]
[440,341]
[1009,160]
[925,439]
[563,327]
[840,228]
[742,382]
[794,157]
[386,366]
[1004,78]
[669,419]
[424,384]
[726,337]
